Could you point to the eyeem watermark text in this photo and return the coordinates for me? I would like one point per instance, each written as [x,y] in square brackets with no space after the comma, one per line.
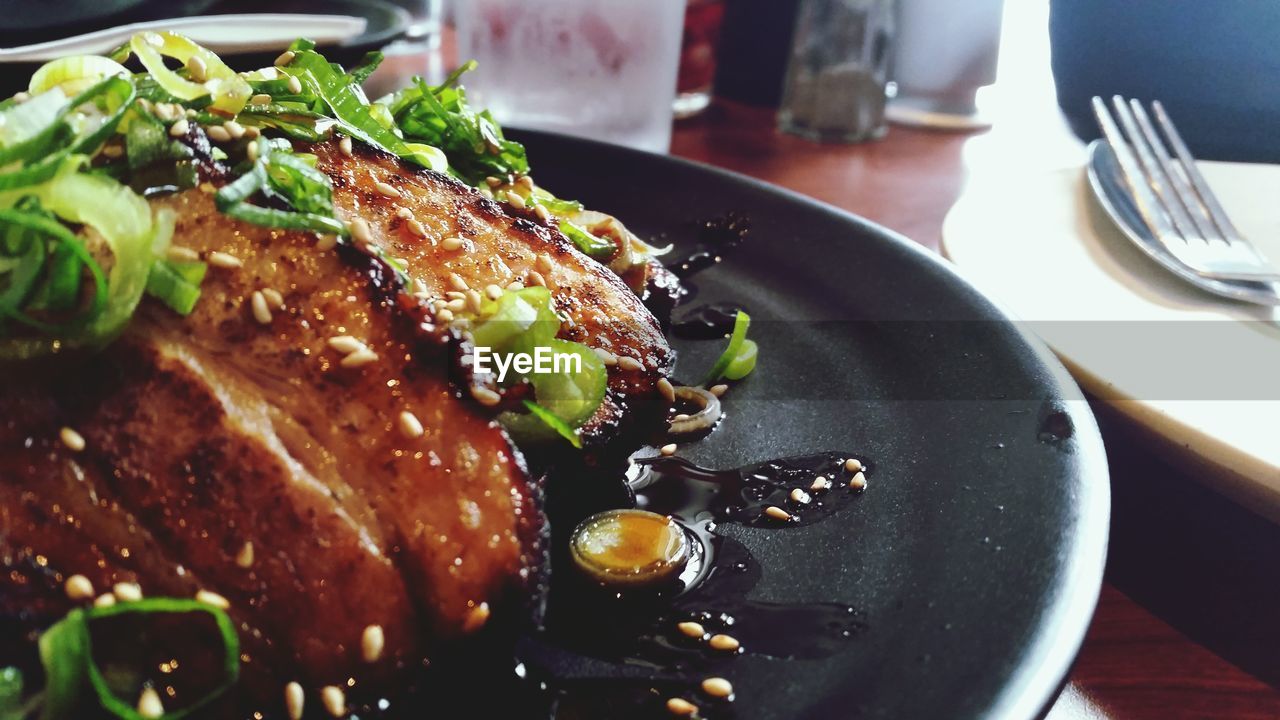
[541,361]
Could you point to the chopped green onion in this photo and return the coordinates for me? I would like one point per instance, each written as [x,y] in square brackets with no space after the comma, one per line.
[229,91]
[589,244]
[472,141]
[73,677]
[731,353]
[743,362]
[280,175]
[342,97]
[11,694]
[75,73]
[176,284]
[562,428]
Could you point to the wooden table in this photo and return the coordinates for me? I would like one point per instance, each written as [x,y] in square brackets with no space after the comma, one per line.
[1188,624]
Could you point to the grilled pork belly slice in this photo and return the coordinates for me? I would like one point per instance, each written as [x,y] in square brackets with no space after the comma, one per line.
[216,430]
[242,426]
[500,249]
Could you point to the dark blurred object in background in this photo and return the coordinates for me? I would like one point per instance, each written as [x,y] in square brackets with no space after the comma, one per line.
[1215,66]
[23,22]
[755,43]
[702,20]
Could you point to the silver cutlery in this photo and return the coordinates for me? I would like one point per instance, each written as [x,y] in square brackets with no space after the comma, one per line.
[1172,197]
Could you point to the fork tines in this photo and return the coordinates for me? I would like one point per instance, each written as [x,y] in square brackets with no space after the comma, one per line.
[1173,197]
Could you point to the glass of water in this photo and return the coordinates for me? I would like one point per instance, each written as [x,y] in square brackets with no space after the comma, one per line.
[602,69]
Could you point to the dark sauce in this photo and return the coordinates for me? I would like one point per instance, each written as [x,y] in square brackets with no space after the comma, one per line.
[608,653]
[706,322]
[715,238]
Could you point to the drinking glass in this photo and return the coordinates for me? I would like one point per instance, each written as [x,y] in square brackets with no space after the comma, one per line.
[702,20]
[835,86]
[602,69]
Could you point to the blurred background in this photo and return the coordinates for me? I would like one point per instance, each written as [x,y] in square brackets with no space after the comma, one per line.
[833,70]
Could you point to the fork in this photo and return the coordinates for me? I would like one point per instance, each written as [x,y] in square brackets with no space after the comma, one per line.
[1173,198]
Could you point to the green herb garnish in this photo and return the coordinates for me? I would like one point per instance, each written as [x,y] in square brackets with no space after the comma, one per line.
[739,357]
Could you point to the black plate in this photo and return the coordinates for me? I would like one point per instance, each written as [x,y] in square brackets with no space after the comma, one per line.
[975,555]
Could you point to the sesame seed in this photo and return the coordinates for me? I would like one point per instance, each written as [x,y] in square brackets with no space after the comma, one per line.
[224,261]
[252,131]
[410,425]
[251,152]
[535,278]
[727,643]
[544,262]
[261,313]
[180,128]
[372,641]
[515,285]
[112,151]
[819,484]
[260,99]
[626,362]
[285,58]
[273,297]
[344,145]
[386,190]
[78,587]
[149,705]
[325,243]
[294,700]
[217,133]
[474,300]
[669,449]
[455,295]
[777,513]
[800,496]
[718,390]
[525,181]
[416,227]
[717,687]
[208,597]
[359,358]
[542,213]
[345,344]
[493,292]
[852,465]
[244,558]
[127,592]
[452,243]
[692,629]
[404,213]
[295,85]
[21,97]
[234,129]
[72,439]
[667,389]
[165,112]
[104,600]
[360,231]
[681,707]
[606,357]
[485,396]
[444,315]
[334,700]
[680,416]
[456,305]
[514,200]
[493,181]
[476,619]
[456,281]
[859,482]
